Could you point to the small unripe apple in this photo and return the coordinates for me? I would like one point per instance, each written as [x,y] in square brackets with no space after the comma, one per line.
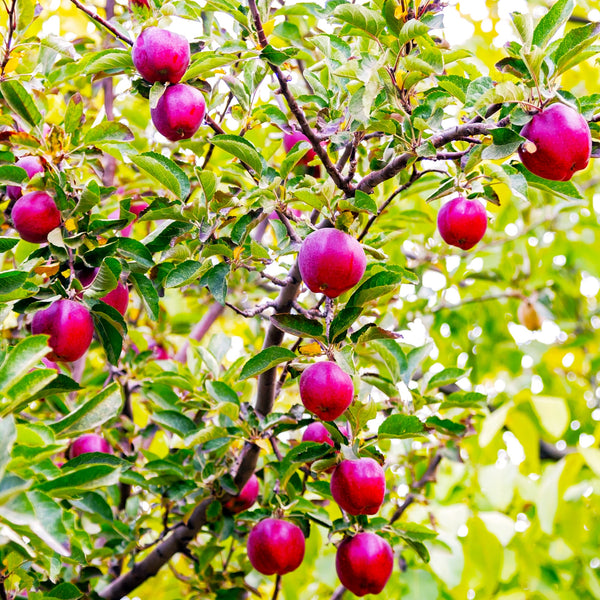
[179,112]
[70,327]
[462,222]
[275,546]
[326,390]
[32,165]
[528,315]
[291,139]
[34,216]
[364,563]
[245,499]
[561,143]
[161,55]
[331,262]
[358,486]
[90,442]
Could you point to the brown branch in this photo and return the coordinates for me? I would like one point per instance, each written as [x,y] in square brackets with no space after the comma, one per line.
[96,17]
[11,25]
[251,312]
[214,311]
[297,111]
[339,593]
[180,537]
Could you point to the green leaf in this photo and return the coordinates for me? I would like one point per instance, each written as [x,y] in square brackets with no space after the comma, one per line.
[445,426]
[506,142]
[208,181]
[564,188]
[12,175]
[95,412]
[65,591]
[360,17]
[415,532]
[19,100]
[445,377]
[183,274]
[175,422]
[8,435]
[21,358]
[571,50]
[165,172]
[147,293]
[266,359]
[277,56]
[401,426]
[375,287]
[298,325]
[7,244]
[342,322]
[25,14]
[108,131]
[221,392]
[216,280]
[23,391]
[74,114]
[136,251]
[108,60]
[87,478]
[524,26]
[361,202]
[551,22]
[111,329]
[308,452]
[240,148]
[12,280]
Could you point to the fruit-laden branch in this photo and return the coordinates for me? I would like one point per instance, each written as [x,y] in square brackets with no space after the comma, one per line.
[331,169]
[96,17]
[368,183]
[181,535]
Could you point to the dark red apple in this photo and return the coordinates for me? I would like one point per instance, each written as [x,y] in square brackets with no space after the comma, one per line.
[245,499]
[562,143]
[331,262]
[364,563]
[276,546]
[161,55]
[34,216]
[317,432]
[358,486]
[291,139]
[326,390]
[70,327]
[32,165]
[179,112]
[462,222]
[90,442]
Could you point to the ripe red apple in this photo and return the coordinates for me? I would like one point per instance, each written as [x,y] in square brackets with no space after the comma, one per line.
[291,139]
[32,165]
[562,140]
[179,112]
[245,499]
[462,222]
[317,432]
[326,390]
[90,442]
[358,486]
[161,55]
[331,262]
[118,298]
[364,563]
[275,546]
[34,216]
[70,327]
[136,209]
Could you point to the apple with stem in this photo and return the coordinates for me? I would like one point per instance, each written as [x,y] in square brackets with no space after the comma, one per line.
[358,486]
[32,165]
[559,143]
[245,499]
[70,327]
[276,546]
[160,55]
[90,442]
[326,390]
[364,563]
[331,262]
[34,216]
[462,222]
[179,112]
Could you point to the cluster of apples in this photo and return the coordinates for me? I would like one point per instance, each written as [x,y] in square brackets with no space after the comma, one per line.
[331,262]
[161,56]
[559,144]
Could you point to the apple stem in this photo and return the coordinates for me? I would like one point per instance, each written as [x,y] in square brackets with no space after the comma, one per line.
[277,588]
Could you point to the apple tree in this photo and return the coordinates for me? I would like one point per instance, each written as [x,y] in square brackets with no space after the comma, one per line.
[299,299]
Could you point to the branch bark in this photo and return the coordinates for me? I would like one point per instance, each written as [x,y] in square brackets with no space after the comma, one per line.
[96,17]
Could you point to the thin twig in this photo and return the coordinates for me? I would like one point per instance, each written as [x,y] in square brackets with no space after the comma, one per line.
[252,312]
[277,588]
[339,593]
[11,24]
[96,17]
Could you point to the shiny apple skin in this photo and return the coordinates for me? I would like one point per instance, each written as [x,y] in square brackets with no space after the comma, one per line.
[358,486]
[160,55]
[462,222]
[179,112]
[326,390]
[34,216]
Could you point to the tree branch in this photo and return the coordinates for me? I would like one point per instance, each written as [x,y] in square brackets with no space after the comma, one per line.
[180,536]
[214,311]
[96,17]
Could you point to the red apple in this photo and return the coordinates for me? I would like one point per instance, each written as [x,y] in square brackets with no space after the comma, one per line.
[364,563]
[32,165]
[462,222]
[326,390]
[245,499]
[562,140]
[179,112]
[317,432]
[159,351]
[161,55]
[275,546]
[331,262]
[34,216]
[90,442]
[291,139]
[70,327]
[358,486]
